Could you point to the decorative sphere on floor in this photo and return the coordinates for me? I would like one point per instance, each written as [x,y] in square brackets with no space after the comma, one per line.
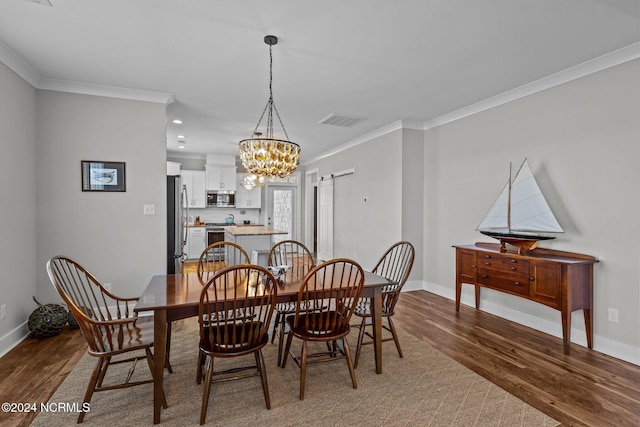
[47,320]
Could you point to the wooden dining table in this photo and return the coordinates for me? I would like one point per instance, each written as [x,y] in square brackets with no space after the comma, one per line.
[176,296]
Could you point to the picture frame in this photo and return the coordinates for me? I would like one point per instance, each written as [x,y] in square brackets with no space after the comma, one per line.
[103,176]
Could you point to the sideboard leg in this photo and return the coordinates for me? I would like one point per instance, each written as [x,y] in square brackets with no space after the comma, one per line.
[566,329]
[477,296]
[588,321]
[458,292]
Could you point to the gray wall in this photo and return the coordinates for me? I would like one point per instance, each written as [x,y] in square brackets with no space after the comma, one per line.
[18,206]
[106,232]
[413,207]
[582,142]
[363,230]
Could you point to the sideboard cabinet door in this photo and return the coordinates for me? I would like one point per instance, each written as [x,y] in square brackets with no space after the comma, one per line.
[467,261]
[547,283]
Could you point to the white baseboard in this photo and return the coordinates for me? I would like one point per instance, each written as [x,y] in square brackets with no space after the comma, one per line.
[13,338]
[622,351]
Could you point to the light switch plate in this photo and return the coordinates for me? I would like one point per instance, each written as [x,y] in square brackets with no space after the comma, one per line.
[149,209]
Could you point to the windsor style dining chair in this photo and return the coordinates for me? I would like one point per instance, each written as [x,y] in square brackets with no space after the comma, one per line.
[395,264]
[108,324]
[324,306]
[241,298]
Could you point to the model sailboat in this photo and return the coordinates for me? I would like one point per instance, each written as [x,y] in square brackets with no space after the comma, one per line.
[520,216]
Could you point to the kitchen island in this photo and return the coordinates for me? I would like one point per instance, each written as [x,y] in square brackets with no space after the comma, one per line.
[252,238]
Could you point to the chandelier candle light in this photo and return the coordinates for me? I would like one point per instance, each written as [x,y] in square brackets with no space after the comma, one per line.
[265,156]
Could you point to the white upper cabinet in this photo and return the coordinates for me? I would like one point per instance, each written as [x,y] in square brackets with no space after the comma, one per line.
[196,193]
[247,199]
[173,168]
[221,178]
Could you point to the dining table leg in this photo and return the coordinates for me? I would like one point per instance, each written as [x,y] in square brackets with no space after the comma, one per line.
[159,359]
[376,320]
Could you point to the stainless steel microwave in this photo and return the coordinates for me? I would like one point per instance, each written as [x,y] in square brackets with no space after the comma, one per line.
[221,199]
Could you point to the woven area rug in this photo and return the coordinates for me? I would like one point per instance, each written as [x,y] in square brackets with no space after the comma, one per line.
[424,388]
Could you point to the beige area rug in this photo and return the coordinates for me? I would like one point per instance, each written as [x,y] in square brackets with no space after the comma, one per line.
[425,388]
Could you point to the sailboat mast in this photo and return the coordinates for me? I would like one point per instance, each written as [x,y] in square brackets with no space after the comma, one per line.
[509,202]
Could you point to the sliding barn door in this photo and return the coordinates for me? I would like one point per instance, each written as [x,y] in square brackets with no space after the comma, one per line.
[325,219]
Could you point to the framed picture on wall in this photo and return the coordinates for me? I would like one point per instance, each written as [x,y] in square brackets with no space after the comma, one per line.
[103,176]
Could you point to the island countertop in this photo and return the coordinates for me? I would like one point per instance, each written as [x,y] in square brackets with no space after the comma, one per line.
[256,230]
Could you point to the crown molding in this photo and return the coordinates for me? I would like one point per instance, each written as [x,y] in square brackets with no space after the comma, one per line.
[107,91]
[603,62]
[391,127]
[21,68]
[18,66]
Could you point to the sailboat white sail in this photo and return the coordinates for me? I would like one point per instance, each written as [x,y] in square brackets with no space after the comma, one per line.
[520,211]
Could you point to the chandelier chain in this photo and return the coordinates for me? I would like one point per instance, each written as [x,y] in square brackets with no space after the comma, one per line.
[271,106]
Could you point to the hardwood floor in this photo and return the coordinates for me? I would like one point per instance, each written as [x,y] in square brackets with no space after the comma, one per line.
[585,388]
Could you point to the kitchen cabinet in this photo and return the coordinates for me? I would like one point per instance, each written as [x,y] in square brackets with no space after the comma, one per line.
[247,199]
[558,279]
[221,178]
[196,193]
[173,168]
[196,242]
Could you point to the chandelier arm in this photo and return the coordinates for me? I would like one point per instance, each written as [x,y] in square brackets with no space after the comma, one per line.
[281,124]
[260,120]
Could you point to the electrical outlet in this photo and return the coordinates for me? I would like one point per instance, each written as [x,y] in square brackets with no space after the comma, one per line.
[107,286]
[3,311]
[149,209]
[613,315]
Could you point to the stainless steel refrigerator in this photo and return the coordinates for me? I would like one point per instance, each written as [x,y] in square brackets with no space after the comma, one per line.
[176,223]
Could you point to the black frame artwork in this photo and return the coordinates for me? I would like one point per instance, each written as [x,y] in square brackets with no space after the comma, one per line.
[103,176]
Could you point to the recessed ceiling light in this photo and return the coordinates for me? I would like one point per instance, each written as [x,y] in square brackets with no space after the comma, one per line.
[180,137]
[177,121]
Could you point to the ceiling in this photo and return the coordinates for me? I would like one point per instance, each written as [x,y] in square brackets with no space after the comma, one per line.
[385,61]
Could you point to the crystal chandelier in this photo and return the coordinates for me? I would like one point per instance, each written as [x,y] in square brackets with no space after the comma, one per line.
[266,156]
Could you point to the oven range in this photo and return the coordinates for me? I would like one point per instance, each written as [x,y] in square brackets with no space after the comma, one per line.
[215,233]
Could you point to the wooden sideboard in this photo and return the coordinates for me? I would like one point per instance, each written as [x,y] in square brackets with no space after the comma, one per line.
[558,279]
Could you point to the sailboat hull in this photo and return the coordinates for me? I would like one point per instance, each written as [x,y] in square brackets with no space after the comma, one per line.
[516,236]
[524,242]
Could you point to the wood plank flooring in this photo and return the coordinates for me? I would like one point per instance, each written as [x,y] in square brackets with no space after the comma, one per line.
[585,388]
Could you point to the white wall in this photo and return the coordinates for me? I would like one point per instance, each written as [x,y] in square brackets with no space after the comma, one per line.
[18,206]
[105,232]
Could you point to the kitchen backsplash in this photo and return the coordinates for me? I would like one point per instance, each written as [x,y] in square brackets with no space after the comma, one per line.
[220,214]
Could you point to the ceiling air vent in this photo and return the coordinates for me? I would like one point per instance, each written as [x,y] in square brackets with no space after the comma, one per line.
[341,120]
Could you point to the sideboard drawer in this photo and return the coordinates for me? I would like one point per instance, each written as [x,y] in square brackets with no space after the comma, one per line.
[492,278]
[504,262]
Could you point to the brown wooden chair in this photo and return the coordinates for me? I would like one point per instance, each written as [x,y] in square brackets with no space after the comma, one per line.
[295,255]
[247,289]
[218,256]
[324,307]
[395,265]
[107,322]
[215,257]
